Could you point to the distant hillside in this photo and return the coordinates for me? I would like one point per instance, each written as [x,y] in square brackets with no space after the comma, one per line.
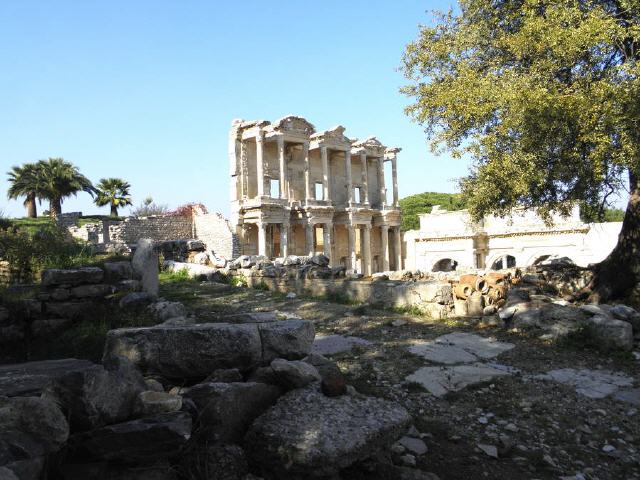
[414,205]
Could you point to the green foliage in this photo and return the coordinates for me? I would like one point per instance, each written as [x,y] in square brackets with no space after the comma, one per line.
[414,205]
[590,215]
[262,286]
[173,276]
[113,192]
[47,247]
[238,281]
[26,181]
[541,94]
[58,180]
[149,208]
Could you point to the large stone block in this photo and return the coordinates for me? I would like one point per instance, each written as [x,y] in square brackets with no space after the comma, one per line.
[144,439]
[145,266]
[610,333]
[92,291]
[97,396]
[290,339]
[30,378]
[187,351]
[226,410]
[309,434]
[77,276]
[117,271]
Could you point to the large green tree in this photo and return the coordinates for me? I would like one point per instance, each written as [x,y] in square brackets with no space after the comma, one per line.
[544,96]
[26,181]
[61,179]
[113,192]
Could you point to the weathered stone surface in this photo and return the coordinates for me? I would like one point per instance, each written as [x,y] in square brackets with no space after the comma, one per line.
[117,271]
[136,300]
[439,381]
[187,351]
[249,317]
[194,270]
[628,314]
[307,434]
[145,266]
[414,445]
[226,410]
[590,383]
[294,373]
[138,440]
[152,402]
[460,348]
[610,333]
[333,344]
[30,429]
[97,396]
[289,339]
[217,462]
[631,396]
[77,276]
[92,291]
[224,375]
[73,309]
[44,327]
[100,470]
[164,310]
[26,379]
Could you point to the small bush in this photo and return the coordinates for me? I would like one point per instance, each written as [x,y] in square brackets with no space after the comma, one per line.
[238,281]
[261,286]
[175,276]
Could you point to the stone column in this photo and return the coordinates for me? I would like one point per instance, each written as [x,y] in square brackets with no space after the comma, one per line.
[309,234]
[326,239]
[284,239]
[351,259]
[262,238]
[383,189]
[366,257]
[394,175]
[283,168]
[307,172]
[365,179]
[260,162]
[505,261]
[384,237]
[398,247]
[347,164]
[325,174]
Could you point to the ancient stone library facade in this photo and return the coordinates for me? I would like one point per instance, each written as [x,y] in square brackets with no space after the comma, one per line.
[296,191]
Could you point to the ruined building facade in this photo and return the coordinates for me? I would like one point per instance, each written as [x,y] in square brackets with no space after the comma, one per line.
[295,191]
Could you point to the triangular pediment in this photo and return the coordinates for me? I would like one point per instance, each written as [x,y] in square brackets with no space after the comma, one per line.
[294,124]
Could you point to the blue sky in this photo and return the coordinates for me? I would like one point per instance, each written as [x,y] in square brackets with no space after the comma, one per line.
[146,90]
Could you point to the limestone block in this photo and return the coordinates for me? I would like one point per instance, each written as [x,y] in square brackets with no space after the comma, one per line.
[78,276]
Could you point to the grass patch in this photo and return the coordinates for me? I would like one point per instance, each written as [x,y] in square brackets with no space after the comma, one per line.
[262,286]
[412,310]
[238,281]
[175,276]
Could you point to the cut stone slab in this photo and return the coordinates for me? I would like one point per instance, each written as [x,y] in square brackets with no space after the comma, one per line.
[332,344]
[28,379]
[460,347]
[631,396]
[442,380]
[307,432]
[590,383]
[77,276]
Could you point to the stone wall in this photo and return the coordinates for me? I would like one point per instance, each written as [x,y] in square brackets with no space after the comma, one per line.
[217,234]
[159,228]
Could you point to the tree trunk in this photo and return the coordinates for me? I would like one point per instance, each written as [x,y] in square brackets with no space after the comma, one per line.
[618,276]
[55,207]
[30,203]
[114,211]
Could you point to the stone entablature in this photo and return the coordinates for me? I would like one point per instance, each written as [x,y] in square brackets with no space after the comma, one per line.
[295,190]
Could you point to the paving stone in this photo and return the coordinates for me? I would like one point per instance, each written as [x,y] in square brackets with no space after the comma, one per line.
[590,383]
[332,344]
[460,348]
[441,380]
[631,396]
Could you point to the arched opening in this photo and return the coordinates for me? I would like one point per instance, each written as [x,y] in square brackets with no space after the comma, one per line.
[547,260]
[445,265]
[506,261]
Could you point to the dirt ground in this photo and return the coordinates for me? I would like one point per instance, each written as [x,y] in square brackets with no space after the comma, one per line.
[542,430]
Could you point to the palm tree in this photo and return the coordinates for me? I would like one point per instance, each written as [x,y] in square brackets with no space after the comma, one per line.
[61,179]
[26,181]
[113,192]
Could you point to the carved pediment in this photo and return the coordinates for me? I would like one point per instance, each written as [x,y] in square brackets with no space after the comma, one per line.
[369,142]
[253,123]
[294,124]
[334,135]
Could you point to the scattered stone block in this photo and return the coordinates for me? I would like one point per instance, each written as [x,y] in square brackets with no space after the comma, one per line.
[72,277]
[590,383]
[460,348]
[145,266]
[151,402]
[289,339]
[140,440]
[30,378]
[308,432]
[610,334]
[442,380]
[333,344]
[226,410]
[294,373]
